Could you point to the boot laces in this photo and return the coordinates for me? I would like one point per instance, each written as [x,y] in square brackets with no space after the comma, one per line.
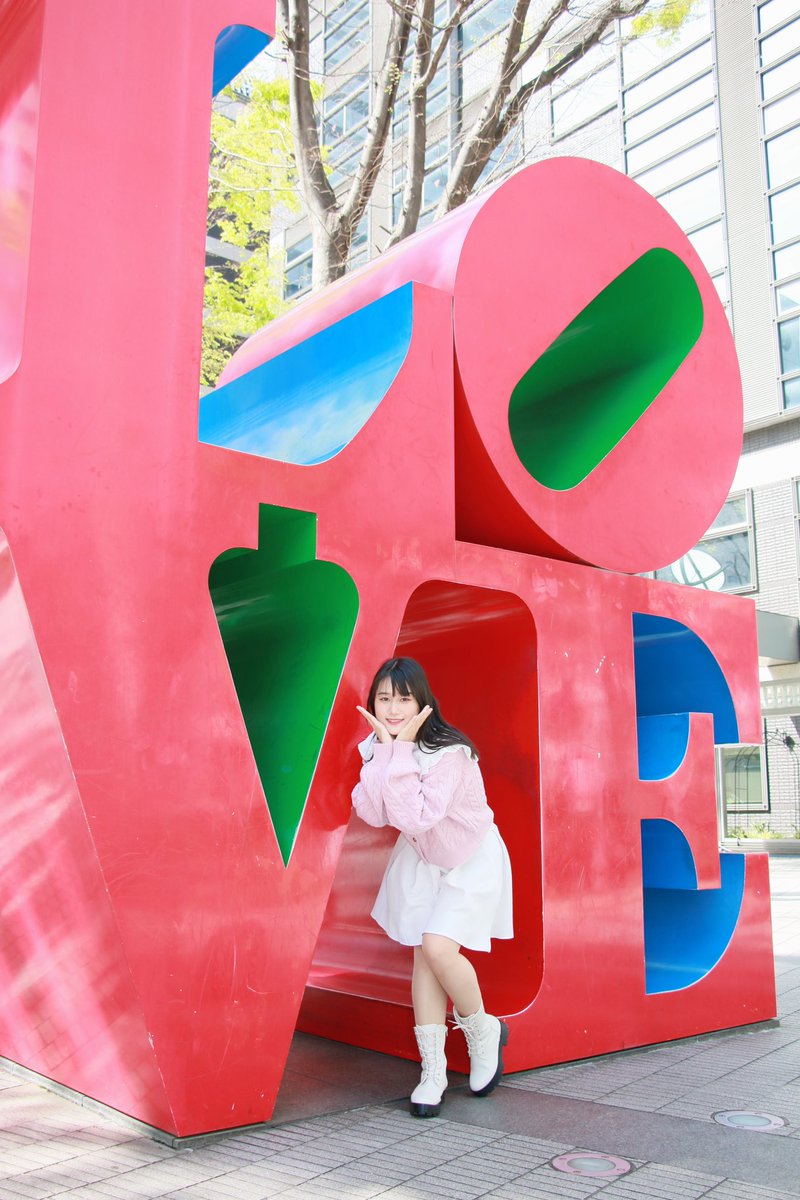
[478,1036]
[478,1040]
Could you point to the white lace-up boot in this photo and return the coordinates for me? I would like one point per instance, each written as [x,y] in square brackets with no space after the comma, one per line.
[486,1036]
[427,1096]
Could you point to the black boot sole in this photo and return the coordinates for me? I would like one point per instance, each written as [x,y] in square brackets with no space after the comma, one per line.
[498,1075]
[426,1110]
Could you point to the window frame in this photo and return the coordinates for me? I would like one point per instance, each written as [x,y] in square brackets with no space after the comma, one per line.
[714,533]
[303,259]
[766,801]
[772,191]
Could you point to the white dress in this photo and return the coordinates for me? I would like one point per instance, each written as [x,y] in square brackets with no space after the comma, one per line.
[470,903]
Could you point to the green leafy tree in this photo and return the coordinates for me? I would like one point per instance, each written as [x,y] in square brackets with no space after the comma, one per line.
[251,173]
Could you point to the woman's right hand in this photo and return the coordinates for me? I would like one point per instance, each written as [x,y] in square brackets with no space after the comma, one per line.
[380,731]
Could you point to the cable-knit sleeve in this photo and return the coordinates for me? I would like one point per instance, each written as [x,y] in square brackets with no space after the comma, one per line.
[413,802]
[368,792]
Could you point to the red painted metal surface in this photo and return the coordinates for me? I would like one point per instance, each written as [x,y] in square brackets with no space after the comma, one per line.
[520,262]
[571,984]
[141,870]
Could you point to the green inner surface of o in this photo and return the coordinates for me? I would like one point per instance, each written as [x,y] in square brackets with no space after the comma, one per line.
[591,385]
[286,621]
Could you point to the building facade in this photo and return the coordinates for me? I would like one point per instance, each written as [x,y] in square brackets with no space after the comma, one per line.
[708,121]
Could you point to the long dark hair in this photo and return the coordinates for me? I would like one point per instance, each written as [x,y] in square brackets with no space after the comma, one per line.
[408,679]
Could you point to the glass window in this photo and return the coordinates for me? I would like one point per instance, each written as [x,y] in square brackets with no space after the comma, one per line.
[719,564]
[348,14]
[669,77]
[733,512]
[587,64]
[787,261]
[694,202]
[681,166]
[783,158]
[774,12]
[340,54]
[297,279]
[502,159]
[784,210]
[355,83]
[742,778]
[584,101]
[347,29]
[343,168]
[791,393]
[723,560]
[780,78]
[720,282]
[298,249]
[336,13]
[710,245]
[359,247]
[346,119]
[780,43]
[691,96]
[672,139]
[787,297]
[782,112]
[771,14]
[434,185]
[486,21]
[438,97]
[644,54]
[789,337]
[346,108]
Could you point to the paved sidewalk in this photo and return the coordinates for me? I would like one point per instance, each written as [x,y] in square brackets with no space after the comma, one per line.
[638,1125]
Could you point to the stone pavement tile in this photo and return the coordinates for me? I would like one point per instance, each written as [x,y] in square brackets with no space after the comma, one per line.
[21,1160]
[512,1156]
[131,1187]
[19,1188]
[544,1183]
[229,1153]
[83,1193]
[182,1167]
[322,1154]
[476,1173]
[730,1189]
[208,1191]
[699,1110]
[340,1184]
[389,1173]
[654,1182]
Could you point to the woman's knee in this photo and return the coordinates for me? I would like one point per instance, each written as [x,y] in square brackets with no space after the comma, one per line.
[438,951]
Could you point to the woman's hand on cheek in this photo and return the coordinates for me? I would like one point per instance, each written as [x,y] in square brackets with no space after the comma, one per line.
[380,731]
[410,730]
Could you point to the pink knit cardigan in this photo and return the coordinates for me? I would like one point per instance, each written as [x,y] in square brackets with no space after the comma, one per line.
[439,805]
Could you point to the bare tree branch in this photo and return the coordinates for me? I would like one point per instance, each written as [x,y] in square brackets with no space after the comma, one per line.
[318,193]
[499,113]
[412,24]
[447,32]
[379,123]
[417,126]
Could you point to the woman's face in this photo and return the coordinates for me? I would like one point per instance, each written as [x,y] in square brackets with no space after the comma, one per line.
[392,709]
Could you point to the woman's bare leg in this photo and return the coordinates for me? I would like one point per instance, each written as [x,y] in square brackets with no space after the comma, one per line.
[454,973]
[428,995]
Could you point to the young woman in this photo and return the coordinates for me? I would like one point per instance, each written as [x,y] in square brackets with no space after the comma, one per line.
[448,881]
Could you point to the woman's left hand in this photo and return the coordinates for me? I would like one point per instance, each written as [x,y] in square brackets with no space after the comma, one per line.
[410,730]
